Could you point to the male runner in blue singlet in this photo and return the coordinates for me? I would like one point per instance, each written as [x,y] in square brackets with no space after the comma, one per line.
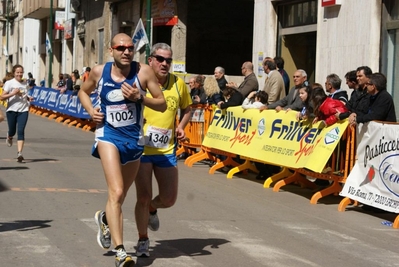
[119,140]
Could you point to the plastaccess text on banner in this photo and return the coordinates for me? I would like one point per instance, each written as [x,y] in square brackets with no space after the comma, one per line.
[374,180]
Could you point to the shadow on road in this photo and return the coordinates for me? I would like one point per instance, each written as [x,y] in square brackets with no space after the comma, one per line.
[39,160]
[3,187]
[181,247]
[25,225]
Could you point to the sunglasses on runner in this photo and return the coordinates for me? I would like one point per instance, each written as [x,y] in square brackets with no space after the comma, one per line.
[122,48]
[161,59]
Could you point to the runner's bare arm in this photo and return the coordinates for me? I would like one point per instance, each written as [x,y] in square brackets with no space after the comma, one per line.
[148,79]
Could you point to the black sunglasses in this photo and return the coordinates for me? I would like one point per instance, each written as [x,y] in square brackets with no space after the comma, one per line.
[161,59]
[122,48]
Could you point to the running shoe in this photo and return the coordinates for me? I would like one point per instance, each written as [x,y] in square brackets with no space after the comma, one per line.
[20,158]
[122,259]
[9,141]
[142,248]
[153,222]
[103,234]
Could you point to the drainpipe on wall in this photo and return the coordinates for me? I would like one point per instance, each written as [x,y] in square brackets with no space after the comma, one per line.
[148,29]
[50,69]
[7,32]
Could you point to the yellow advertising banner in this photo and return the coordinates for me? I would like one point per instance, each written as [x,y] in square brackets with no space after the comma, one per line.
[274,137]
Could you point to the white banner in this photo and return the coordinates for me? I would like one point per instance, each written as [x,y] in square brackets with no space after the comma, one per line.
[139,37]
[374,180]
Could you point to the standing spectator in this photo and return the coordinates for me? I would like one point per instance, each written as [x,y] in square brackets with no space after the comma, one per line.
[325,107]
[31,81]
[77,82]
[292,101]
[61,82]
[191,85]
[381,105]
[274,83]
[119,135]
[212,91]
[280,66]
[15,91]
[68,82]
[360,99]
[198,95]
[250,82]
[333,87]
[219,76]
[86,73]
[159,158]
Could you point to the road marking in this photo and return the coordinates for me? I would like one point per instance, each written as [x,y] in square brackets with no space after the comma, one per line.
[28,248]
[255,248]
[365,251]
[64,190]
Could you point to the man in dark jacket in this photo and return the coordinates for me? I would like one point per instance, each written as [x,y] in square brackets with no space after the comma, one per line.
[250,82]
[381,106]
[219,76]
[333,87]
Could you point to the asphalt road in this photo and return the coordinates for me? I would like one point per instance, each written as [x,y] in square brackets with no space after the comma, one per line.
[47,206]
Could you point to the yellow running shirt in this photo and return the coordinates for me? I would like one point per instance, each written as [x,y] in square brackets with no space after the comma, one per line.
[159,128]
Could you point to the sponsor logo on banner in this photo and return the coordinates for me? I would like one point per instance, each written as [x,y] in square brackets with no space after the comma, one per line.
[261,126]
[332,136]
[389,175]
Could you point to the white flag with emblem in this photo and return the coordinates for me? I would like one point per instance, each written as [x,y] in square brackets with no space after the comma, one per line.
[48,44]
[140,36]
[5,52]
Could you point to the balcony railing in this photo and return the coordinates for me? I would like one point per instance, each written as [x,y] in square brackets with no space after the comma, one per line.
[38,9]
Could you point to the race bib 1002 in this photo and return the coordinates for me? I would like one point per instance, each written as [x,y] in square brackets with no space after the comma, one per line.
[121,115]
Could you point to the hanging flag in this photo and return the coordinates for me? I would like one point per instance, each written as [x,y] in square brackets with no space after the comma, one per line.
[48,44]
[5,52]
[139,37]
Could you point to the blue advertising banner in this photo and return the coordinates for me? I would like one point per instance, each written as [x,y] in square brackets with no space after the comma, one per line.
[66,103]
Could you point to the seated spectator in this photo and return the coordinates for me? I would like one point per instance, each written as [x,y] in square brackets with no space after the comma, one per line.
[255,100]
[212,91]
[381,106]
[325,107]
[232,98]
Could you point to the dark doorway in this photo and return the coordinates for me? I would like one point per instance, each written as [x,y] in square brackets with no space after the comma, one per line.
[162,34]
[299,52]
[219,33]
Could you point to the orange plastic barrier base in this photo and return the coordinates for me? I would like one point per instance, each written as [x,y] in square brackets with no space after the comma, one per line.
[86,125]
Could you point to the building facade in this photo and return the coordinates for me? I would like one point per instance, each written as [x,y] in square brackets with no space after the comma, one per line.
[319,36]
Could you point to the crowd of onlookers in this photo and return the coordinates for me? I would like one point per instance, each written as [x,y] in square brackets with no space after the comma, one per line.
[72,82]
[368,101]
